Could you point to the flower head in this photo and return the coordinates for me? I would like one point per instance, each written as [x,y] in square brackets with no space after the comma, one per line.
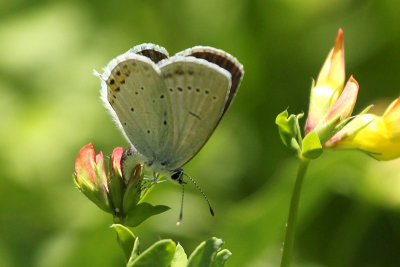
[378,136]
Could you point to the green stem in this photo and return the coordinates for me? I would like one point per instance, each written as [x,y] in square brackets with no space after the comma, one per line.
[294,206]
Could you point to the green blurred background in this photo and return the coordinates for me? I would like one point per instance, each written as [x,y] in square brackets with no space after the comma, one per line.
[50,108]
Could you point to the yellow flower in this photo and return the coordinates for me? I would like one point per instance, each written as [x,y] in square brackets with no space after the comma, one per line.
[378,136]
[329,84]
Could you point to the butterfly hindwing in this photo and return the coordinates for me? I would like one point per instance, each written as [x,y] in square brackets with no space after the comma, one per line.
[198,92]
[223,60]
[155,52]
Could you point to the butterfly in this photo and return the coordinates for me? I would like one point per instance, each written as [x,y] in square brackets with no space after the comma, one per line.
[168,107]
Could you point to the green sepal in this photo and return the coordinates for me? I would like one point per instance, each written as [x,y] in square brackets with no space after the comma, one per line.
[180,257]
[126,239]
[205,253]
[221,258]
[116,188]
[355,129]
[99,198]
[133,191]
[160,254]
[311,147]
[327,130]
[288,127]
[141,212]
[135,251]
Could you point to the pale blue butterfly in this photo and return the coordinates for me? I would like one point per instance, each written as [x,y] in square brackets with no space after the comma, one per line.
[168,107]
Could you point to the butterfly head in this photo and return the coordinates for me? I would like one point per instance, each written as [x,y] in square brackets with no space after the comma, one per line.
[177,175]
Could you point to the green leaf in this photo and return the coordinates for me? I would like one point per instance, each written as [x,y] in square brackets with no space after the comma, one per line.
[221,258]
[160,254]
[312,147]
[289,128]
[141,212]
[180,258]
[205,253]
[126,239]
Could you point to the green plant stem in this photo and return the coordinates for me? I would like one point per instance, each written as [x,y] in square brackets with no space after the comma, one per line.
[294,206]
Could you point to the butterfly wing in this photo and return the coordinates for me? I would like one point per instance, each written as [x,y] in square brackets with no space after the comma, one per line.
[198,93]
[222,59]
[168,108]
[134,92]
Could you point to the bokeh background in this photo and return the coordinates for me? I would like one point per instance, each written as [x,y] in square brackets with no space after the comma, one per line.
[50,108]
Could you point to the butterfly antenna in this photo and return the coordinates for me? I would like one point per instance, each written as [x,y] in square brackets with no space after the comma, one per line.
[181,212]
[201,191]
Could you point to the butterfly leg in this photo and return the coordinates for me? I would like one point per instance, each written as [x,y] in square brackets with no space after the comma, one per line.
[149,183]
[155,177]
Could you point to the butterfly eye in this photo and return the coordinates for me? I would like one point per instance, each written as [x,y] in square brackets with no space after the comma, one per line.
[177,174]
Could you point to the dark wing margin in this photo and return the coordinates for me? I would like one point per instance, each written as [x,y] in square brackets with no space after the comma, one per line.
[223,60]
[155,52]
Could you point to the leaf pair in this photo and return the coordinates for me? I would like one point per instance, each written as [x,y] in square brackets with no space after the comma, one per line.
[289,130]
[166,253]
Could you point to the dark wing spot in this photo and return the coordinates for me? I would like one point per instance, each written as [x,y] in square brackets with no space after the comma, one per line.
[191,72]
[136,93]
[117,89]
[179,72]
[165,122]
[170,89]
[179,89]
[125,66]
[161,96]
[124,123]
[123,81]
[112,81]
[189,87]
[142,88]
[118,72]
[197,90]
[148,131]
[132,109]
[207,92]
[194,115]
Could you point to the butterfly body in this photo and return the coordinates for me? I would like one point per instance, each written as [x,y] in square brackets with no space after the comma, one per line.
[168,107]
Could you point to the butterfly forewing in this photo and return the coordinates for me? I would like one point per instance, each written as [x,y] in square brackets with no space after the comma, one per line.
[198,91]
[138,96]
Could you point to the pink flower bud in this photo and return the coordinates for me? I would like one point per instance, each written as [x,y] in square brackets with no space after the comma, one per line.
[116,160]
[343,107]
[90,176]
